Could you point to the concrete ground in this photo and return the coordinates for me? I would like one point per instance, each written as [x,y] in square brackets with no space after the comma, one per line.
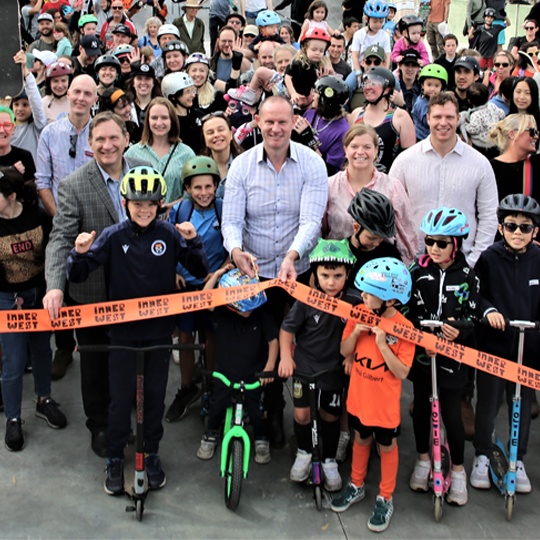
[54,488]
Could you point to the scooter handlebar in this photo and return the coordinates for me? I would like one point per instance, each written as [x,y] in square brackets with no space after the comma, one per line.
[460,324]
[527,325]
[107,348]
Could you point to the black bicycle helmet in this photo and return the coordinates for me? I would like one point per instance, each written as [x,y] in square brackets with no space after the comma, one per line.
[107,60]
[519,204]
[175,45]
[407,21]
[382,74]
[490,12]
[333,92]
[374,212]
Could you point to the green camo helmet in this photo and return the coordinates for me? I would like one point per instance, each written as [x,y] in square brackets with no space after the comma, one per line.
[200,165]
[143,184]
[332,252]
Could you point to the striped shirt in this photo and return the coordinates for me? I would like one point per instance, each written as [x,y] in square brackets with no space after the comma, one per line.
[463,179]
[53,160]
[268,214]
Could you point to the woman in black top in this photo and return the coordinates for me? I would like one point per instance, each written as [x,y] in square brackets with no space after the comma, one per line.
[24,231]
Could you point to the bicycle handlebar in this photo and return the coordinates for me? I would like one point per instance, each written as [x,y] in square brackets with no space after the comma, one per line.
[107,348]
[235,385]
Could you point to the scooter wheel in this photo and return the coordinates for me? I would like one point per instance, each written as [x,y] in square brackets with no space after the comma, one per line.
[438,508]
[509,507]
[317,493]
[139,509]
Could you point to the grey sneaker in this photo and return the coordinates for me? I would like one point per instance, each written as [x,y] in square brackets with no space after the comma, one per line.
[262,451]
[420,477]
[350,495]
[523,484]
[332,478]
[458,493]
[245,94]
[380,519]
[208,446]
[480,473]
[301,467]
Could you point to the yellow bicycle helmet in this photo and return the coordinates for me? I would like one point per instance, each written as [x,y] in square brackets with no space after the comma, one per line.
[143,184]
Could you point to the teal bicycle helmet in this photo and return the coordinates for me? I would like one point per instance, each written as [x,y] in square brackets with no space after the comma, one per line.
[267,18]
[234,278]
[386,278]
[445,222]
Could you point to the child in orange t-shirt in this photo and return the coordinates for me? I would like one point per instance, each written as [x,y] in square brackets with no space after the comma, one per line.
[379,365]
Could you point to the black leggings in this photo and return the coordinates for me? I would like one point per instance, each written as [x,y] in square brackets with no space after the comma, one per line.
[450,410]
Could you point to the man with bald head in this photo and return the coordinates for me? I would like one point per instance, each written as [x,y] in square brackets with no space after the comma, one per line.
[266,54]
[89,200]
[275,198]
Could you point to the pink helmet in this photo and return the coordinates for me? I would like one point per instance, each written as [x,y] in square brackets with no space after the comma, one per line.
[57,69]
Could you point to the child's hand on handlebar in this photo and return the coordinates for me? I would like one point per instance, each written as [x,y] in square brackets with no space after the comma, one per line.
[496,320]
[286,367]
[84,241]
[269,367]
[449,332]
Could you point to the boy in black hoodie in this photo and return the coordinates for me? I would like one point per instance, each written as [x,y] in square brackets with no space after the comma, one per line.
[509,273]
[443,287]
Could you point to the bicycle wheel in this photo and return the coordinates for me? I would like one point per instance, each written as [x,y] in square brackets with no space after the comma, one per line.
[234,473]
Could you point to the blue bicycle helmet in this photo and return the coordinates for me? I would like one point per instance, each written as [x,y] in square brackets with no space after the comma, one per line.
[267,18]
[391,5]
[386,278]
[377,9]
[445,222]
[233,278]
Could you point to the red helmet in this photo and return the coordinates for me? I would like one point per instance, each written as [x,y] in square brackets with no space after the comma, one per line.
[316,33]
[57,69]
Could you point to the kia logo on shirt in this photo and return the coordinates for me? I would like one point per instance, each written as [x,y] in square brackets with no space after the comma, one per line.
[367,363]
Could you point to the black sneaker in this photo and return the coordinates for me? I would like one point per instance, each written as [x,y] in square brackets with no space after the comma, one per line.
[114,482]
[184,398]
[14,435]
[154,472]
[48,410]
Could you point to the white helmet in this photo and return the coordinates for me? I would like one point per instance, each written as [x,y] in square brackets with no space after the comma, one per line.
[174,82]
[168,29]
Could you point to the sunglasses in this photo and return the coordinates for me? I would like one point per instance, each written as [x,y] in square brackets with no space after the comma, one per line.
[124,60]
[73,148]
[533,132]
[501,64]
[532,53]
[375,62]
[525,228]
[7,126]
[215,114]
[530,27]
[441,244]
[117,8]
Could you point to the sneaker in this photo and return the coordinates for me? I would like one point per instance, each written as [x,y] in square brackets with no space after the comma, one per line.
[480,473]
[184,398]
[380,519]
[343,445]
[62,359]
[523,484]
[154,473]
[14,436]
[244,94]
[114,481]
[262,451]
[458,489]
[350,495]
[332,478]
[420,477]
[208,446]
[48,409]
[175,353]
[301,467]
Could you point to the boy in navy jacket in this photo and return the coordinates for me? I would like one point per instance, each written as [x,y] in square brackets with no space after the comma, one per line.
[509,273]
[139,256]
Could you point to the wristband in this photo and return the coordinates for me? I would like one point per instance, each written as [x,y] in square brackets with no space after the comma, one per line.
[237,60]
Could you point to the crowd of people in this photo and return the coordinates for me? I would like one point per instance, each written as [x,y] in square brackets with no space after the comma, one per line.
[357,161]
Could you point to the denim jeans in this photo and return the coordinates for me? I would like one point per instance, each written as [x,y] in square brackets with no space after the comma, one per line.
[16,347]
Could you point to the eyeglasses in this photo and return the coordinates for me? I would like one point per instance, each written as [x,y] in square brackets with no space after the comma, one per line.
[441,244]
[501,64]
[215,114]
[530,27]
[73,149]
[525,228]
[533,132]
[117,8]
[235,22]
[7,126]
[374,62]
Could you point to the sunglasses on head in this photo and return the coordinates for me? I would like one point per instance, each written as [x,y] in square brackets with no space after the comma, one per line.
[501,64]
[441,244]
[73,148]
[215,114]
[525,228]
[372,62]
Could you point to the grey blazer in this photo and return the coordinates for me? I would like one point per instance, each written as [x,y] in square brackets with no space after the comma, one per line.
[83,205]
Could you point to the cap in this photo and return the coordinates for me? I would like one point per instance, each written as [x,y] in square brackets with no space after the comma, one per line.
[90,44]
[251,30]
[45,17]
[125,30]
[410,56]
[374,50]
[468,62]
[47,57]
[138,68]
